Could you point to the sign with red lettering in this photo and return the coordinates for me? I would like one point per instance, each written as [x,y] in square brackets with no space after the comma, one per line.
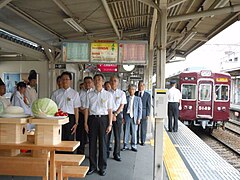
[104,52]
[107,67]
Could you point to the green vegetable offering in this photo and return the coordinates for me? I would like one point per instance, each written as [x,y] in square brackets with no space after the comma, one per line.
[44,107]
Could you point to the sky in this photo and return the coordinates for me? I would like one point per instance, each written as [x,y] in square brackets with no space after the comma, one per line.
[212,52]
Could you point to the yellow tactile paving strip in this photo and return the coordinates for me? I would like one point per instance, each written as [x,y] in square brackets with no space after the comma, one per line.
[174,164]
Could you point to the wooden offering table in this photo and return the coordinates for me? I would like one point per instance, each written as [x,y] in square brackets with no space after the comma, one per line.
[47,140]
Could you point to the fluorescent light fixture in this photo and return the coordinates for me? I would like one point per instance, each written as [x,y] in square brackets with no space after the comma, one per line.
[71,22]
[187,38]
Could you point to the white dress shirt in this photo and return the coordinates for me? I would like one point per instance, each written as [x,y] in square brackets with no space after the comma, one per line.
[130,106]
[18,100]
[31,94]
[142,92]
[119,98]
[99,102]
[5,101]
[174,95]
[66,99]
[83,96]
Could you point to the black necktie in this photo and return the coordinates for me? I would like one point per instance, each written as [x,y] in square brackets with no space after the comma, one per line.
[140,94]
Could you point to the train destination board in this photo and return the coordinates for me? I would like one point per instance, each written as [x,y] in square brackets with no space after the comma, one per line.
[104,52]
[133,52]
[75,51]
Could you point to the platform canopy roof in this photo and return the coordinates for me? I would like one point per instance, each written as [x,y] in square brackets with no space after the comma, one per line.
[191,23]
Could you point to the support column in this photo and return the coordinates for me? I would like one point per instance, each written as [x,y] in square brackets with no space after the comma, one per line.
[161,60]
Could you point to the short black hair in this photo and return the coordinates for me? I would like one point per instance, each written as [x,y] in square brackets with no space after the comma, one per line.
[87,77]
[98,75]
[172,82]
[21,85]
[67,73]
[58,78]
[107,82]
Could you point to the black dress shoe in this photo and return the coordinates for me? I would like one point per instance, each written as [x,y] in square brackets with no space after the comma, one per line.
[117,158]
[142,144]
[90,171]
[102,172]
[134,149]
[169,130]
[125,148]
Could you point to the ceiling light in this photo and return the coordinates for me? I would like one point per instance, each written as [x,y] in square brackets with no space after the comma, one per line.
[71,22]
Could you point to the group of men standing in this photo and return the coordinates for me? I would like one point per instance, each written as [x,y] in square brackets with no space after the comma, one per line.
[97,112]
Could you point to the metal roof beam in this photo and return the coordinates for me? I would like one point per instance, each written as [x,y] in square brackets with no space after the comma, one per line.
[208,13]
[32,20]
[4,3]
[151,3]
[129,17]
[26,36]
[175,3]
[7,45]
[110,16]
[63,7]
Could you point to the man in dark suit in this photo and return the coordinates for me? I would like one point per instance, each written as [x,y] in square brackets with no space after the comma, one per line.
[132,114]
[146,106]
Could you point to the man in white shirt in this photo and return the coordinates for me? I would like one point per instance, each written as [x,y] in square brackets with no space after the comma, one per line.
[67,99]
[3,99]
[81,133]
[98,123]
[174,100]
[119,99]
[31,93]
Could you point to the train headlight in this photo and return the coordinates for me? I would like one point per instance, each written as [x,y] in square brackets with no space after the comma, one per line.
[224,108]
[185,107]
[219,108]
[190,107]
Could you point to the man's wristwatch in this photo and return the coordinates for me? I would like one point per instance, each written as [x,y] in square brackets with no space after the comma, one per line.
[115,114]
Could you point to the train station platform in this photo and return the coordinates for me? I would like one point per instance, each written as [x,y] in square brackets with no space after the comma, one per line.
[201,161]
[186,156]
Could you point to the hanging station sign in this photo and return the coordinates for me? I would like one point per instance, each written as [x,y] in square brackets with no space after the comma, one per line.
[133,52]
[107,67]
[75,51]
[104,52]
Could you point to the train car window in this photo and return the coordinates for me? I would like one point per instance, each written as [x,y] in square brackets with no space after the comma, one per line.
[188,91]
[222,92]
[205,92]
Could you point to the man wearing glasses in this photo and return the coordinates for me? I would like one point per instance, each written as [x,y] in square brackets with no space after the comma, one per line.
[67,99]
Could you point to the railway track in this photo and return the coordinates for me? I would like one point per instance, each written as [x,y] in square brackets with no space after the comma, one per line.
[225,144]
[233,126]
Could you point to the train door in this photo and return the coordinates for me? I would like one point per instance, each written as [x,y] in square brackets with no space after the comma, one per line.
[204,104]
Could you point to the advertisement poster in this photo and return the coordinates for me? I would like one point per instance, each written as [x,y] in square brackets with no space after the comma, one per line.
[10,80]
[107,68]
[133,53]
[104,52]
[75,52]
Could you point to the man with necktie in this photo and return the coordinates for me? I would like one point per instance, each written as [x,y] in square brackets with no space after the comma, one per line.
[146,106]
[132,115]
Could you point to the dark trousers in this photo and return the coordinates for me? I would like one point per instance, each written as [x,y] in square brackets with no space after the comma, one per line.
[97,131]
[173,112]
[142,127]
[117,127]
[66,129]
[81,134]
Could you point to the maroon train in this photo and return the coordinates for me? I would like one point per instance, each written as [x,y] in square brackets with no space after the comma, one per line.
[205,98]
